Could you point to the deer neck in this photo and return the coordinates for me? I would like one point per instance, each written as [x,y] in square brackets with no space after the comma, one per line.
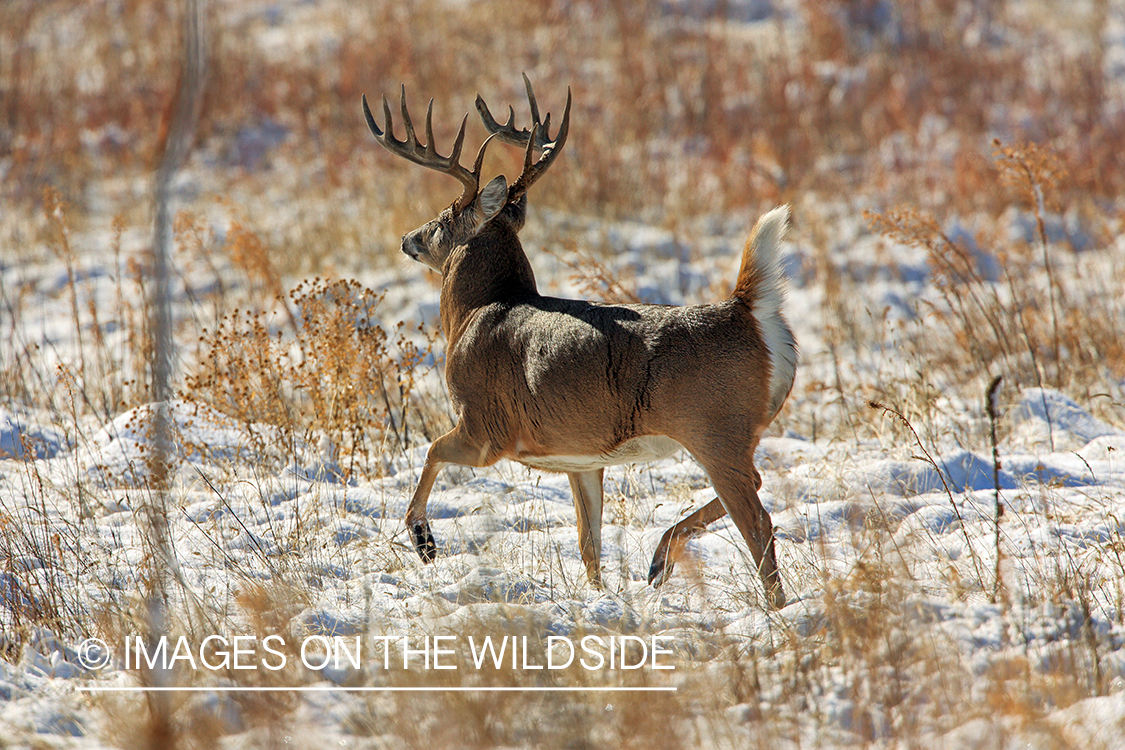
[491,267]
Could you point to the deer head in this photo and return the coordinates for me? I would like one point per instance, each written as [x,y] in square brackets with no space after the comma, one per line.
[432,242]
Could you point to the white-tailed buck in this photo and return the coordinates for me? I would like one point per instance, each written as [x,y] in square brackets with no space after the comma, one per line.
[573,386]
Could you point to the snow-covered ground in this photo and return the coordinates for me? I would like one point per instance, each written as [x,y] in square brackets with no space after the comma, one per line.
[897,628]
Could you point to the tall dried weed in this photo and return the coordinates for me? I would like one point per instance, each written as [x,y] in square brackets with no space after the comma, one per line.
[333,374]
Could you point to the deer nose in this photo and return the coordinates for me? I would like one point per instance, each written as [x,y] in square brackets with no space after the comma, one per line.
[410,248]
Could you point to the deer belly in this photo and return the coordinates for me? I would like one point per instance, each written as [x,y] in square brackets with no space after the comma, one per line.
[637,450]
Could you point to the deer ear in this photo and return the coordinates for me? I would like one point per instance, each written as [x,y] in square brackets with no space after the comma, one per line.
[493,197]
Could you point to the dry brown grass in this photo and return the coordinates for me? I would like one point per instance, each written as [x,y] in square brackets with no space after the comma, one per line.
[866,101]
[326,369]
[1006,305]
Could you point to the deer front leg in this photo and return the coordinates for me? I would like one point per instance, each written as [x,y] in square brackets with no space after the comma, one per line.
[451,448]
[675,539]
[588,494]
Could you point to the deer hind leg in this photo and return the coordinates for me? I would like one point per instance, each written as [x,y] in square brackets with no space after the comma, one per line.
[674,542]
[738,493]
[588,494]
[675,539]
[451,448]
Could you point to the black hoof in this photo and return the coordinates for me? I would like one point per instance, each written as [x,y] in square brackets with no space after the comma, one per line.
[423,541]
[659,572]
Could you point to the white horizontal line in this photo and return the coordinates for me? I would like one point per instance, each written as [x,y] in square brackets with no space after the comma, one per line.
[388,689]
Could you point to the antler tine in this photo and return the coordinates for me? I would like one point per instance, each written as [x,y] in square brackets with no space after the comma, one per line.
[426,154]
[533,171]
[471,180]
[411,138]
[508,132]
[370,120]
[430,133]
[531,98]
[388,121]
[530,148]
[538,138]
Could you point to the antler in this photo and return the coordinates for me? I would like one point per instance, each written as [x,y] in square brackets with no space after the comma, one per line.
[426,154]
[536,139]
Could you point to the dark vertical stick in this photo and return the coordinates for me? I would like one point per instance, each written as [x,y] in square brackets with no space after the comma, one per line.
[993,411]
